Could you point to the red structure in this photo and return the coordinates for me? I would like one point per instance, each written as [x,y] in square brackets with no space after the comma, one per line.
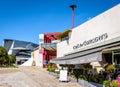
[48,48]
[48,37]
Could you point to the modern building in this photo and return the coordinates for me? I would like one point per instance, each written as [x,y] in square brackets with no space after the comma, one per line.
[97,41]
[47,47]
[46,50]
[21,49]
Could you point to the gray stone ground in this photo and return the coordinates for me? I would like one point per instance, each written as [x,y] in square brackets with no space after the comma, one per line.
[31,77]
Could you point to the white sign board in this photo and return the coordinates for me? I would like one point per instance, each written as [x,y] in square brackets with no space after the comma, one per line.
[63,75]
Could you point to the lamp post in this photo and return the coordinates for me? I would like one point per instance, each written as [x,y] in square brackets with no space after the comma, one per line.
[73,7]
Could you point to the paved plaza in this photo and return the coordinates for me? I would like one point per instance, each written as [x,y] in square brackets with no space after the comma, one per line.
[31,77]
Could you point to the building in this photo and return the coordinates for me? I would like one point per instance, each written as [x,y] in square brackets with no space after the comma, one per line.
[97,41]
[46,50]
[47,47]
[21,49]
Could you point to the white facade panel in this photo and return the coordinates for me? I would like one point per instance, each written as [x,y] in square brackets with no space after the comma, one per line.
[41,38]
[63,48]
[38,58]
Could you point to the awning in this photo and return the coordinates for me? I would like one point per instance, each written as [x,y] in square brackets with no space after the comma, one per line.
[63,34]
[85,56]
[93,57]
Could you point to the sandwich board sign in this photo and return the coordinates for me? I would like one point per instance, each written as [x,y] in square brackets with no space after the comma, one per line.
[63,75]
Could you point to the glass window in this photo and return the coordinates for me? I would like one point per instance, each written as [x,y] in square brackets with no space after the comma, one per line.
[64,38]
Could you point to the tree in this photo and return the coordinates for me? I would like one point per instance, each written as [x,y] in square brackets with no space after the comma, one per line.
[3,56]
[12,59]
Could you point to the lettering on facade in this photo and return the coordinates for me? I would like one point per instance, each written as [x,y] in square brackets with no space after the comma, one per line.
[91,41]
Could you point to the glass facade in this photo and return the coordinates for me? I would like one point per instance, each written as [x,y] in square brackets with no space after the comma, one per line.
[21,49]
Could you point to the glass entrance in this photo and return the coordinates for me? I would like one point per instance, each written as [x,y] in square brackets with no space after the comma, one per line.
[117,57]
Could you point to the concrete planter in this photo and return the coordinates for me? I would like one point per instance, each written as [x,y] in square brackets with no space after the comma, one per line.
[97,84]
[54,74]
[81,82]
[72,79]
[85,83]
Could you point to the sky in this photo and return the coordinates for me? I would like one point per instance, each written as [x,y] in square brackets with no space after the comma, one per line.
[26,19]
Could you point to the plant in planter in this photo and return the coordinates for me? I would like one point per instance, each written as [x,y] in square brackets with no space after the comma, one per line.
[83,77]
[51,67]
[101,79]
[95,78]
[57,72]
[76,73]
[48,66]
[114,83]
[106,83]
[72,75]
[110,67]
[86,66]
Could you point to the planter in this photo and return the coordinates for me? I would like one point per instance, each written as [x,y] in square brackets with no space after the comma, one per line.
[96,84]
[81,82]
[72,79]
[85,83]
[54,74]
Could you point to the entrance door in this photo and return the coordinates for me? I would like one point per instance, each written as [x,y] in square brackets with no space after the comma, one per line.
[117,58]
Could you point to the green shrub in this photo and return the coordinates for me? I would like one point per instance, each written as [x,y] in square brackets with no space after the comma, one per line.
[58,72]
[48,66]
[106,83]
[12,66]
[4,60]
[95,78]
[83,77]
[12,59]
[114,83]
[109,67]
[51,67]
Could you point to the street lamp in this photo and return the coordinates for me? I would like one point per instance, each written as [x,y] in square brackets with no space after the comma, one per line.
[73,7]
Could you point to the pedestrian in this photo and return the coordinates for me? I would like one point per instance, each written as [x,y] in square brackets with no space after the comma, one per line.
[118,79]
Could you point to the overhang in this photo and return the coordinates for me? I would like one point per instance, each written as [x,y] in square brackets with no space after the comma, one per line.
[85,56]
[93,57]
[49,46]
[63,34]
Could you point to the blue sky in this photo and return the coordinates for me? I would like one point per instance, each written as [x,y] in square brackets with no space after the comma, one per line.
[26,19]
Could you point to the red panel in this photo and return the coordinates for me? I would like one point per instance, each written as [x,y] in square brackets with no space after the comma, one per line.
[50,36]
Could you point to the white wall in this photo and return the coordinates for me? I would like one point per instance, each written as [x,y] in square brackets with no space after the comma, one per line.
[107,22]
[28,62]
[62,48]
[38,58]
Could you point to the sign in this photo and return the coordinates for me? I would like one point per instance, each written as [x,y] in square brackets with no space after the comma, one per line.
[63,75]
[91,41]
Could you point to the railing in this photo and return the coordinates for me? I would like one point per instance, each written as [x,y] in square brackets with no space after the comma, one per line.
[49,45]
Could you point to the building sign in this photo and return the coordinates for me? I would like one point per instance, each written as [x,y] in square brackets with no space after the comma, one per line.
[91,41]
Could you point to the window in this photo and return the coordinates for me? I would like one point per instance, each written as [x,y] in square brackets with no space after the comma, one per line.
[64,38]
